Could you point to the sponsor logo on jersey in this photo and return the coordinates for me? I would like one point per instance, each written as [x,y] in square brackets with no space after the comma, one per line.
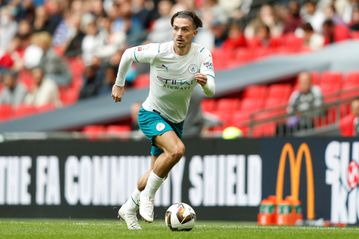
[193,68]
[176,84]
[208,65]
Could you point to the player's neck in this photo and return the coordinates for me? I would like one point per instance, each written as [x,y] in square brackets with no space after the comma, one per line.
[182,51]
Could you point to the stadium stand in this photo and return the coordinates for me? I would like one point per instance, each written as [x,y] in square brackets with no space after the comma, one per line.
[254,81]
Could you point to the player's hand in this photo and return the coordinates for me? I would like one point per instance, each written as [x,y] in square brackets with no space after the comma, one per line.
[117,92]
[201,79]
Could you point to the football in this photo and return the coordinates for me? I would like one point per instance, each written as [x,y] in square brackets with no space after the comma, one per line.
[180,217]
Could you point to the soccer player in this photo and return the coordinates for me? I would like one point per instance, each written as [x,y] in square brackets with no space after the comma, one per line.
[176,67]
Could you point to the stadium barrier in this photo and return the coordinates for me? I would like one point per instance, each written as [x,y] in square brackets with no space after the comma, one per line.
[222,180]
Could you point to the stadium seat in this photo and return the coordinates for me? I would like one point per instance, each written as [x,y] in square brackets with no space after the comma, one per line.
[6,112]
[228,105]
[142,81]
[255,91]
[93,131]
[221,58]
[355,35]
[45,108]
[350,87]
[341,33]
[279,91]
[331,84]
[346,125]
[69,96]
[118,130]
[208,105]
[292,42]
[24,110]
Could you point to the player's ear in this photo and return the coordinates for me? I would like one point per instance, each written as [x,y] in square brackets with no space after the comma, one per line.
[195,32]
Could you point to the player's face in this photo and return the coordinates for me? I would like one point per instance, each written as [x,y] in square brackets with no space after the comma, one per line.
[183,32]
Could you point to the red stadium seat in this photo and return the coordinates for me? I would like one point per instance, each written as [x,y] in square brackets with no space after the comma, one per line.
[25,110]
[255,91]
[118,130]
[251,105]
[331,84]
[350,87]
[341,33]
[142,81]
[279,91]
[221,58]
[346,126]
[93,131]
[355,35]
[6,112]
[208,105]
[228,105]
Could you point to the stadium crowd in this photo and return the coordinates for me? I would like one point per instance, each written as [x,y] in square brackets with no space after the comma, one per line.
[38,38]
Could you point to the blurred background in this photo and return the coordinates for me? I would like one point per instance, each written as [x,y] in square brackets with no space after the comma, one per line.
[59,59]
[285,70]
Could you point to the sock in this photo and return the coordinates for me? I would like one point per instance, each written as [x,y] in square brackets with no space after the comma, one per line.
[133,201]
[153,184]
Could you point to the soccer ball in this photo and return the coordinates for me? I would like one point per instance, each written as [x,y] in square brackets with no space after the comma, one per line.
[180,217]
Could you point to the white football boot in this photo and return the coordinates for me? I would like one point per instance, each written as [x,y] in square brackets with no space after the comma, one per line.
[146,207]
[130,218]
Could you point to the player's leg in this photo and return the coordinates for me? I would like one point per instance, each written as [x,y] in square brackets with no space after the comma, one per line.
[173,150]
[128,210]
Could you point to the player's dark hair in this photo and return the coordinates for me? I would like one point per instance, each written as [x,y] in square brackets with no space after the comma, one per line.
[197,22]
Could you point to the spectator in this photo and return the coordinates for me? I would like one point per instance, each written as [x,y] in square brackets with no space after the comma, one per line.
[162,30]
[8,27]
[312,14]
[355,113]
[145,11]
[354,24]
[91,42]
[266,17]
[235,38]
[132,72]
[291,17]
[108,79]
[110,42]
[219,30]
[328,31]
[13,93]
[72,47]
[349,124]
[44,92]
[312,40]
[92,79]
[54,66]
[302,101]
[331,13]
[263,38]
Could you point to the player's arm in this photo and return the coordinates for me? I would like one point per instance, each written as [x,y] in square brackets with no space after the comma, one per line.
[206,76]
[141,54]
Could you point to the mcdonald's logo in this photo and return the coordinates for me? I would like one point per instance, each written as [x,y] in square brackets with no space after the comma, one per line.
[295,162]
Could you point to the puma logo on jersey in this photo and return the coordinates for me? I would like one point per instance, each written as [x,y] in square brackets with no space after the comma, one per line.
[165,67]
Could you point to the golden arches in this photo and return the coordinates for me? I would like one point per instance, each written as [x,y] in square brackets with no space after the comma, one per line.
[295,163]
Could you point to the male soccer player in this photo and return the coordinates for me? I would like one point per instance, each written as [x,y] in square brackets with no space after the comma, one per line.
[176,68]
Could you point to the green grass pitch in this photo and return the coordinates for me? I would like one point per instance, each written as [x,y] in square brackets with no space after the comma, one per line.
[107,229]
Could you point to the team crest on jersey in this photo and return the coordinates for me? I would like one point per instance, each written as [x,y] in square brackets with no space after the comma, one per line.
[193,68]
[160,126]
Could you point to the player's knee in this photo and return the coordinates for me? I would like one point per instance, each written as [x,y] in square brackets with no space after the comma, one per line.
[177,152]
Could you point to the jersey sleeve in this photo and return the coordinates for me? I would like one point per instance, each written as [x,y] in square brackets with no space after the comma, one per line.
[141,54]
[146,53]
[207,69]
[207,63]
